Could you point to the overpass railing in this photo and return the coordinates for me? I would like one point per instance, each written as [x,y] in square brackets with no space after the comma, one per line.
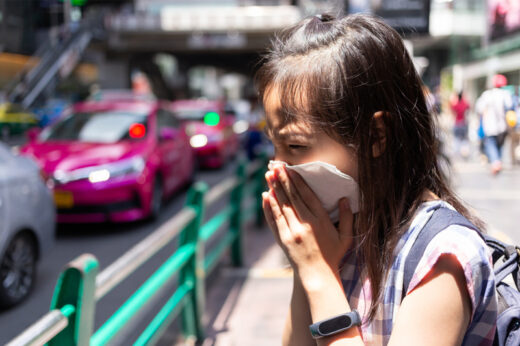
[70,320]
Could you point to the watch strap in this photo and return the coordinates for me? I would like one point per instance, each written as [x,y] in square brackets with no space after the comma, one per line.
[335,324]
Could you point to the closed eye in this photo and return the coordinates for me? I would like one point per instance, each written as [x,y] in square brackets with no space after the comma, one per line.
[297,146]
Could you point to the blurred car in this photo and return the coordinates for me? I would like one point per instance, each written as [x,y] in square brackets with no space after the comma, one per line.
[27,222]
[15,120]
[210,129]
[113,160]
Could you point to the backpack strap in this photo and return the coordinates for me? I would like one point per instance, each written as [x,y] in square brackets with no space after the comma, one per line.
[441,218]
[511,259]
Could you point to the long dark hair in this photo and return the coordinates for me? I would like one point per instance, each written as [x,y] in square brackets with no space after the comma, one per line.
[335,73]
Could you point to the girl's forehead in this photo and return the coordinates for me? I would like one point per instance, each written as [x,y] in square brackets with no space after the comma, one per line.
[285,108]
[272,99]
[276,128]
[281,123]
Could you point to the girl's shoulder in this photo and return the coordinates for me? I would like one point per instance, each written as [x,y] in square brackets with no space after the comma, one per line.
[454,238]
[424,214]
[463,243]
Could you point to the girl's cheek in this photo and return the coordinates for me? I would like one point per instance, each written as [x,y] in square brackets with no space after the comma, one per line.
[282,156]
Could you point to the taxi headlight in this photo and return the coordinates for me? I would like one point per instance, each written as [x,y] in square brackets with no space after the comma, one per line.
[125,167]
[97,174]
[198,141]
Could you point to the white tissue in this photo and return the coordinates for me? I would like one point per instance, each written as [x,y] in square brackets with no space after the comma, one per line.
[328,183]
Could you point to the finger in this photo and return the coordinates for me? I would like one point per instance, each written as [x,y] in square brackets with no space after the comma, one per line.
[292,193]
[307,195]
[274,185]
[285,204]
[346,220]
[269,215]
[281,223]
[269,178]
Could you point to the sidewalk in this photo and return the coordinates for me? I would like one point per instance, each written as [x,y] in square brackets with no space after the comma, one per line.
[247,306]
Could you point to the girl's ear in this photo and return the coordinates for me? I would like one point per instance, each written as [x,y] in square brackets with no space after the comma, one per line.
[379,133]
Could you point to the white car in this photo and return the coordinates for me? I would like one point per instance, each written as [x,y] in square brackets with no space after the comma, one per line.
[27,225]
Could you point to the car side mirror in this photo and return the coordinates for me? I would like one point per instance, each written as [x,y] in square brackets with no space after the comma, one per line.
[32,134]
[168,133]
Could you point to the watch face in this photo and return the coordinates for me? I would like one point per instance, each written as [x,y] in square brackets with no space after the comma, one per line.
[335,324]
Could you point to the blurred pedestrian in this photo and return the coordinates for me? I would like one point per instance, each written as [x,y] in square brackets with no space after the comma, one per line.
[460,107]
[344,103]
[513,122]
[253,141]
[492,106]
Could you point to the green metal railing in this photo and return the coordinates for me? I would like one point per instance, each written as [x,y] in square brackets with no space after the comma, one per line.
[70,320]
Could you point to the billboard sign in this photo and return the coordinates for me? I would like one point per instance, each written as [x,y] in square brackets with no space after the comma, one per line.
[503,17]
[406,16]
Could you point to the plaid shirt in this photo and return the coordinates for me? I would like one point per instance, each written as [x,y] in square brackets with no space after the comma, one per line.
[473,256]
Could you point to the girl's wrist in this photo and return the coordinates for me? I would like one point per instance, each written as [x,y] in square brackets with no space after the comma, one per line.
[316,278]
[325,295]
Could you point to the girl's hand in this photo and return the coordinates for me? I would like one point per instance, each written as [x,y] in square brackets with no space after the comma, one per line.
[301,225]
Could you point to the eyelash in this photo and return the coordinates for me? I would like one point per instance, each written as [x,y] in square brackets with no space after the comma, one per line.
[297,146]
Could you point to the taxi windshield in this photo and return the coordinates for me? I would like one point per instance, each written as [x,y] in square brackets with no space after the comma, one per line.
[97,127]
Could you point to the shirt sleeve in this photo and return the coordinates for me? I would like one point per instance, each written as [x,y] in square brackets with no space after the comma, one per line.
[472,254]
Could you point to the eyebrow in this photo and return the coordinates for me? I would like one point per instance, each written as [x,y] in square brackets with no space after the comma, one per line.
[284,136]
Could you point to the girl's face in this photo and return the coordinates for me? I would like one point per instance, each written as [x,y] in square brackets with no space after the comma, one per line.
[297,142]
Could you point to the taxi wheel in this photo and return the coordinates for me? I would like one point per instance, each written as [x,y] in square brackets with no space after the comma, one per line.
[17,270]
[157,198]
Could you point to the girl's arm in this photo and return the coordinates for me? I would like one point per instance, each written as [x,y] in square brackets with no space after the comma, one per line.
[315,248]
[296,331]
[438,311]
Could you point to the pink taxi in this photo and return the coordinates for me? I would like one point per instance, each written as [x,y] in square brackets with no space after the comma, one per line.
[113,160]
[210,128]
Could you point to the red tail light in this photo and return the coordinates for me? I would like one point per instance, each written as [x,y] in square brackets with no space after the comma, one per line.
[137,131]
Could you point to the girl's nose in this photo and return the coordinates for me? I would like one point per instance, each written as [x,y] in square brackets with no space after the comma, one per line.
[278,157]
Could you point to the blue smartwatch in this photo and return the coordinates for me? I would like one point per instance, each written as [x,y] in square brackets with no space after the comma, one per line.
[335,324]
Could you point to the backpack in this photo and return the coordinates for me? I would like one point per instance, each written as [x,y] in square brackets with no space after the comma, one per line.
[508,295]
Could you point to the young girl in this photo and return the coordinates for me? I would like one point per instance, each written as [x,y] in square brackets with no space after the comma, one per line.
[344,91]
